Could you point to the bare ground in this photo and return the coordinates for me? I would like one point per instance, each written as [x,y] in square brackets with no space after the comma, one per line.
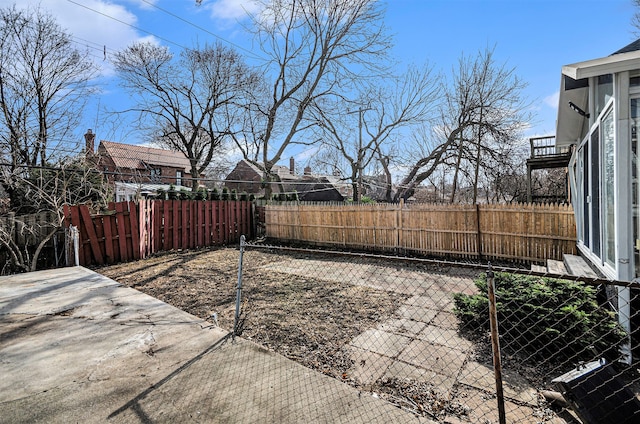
[305,319]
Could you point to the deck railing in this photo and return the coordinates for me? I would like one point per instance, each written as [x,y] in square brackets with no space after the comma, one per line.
[546,146]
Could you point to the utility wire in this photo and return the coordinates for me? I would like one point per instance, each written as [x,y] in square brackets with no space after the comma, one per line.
[203,29]
[129,25]
[251,53]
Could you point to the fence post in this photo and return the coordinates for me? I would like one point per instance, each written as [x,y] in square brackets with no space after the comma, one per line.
[495,343]
[236,321]
[75,241]
[478,235]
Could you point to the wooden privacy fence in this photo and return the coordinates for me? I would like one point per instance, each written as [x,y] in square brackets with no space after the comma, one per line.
[131,231]
[24,233]
[27,230]
[518,232]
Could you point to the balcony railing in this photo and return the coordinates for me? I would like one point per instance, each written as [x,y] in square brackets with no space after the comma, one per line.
[542,147]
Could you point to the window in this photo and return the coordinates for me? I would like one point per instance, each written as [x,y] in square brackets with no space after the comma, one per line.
[155,175]
[608,187]
[586,223]
[604,91]
[595,191]
[178,178]
[635,172]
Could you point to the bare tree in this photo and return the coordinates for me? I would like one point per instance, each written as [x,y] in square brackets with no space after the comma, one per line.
[484,109]
[313,50]
[390,106]
[635,20]
[43,194]
[188,104]
[43,88]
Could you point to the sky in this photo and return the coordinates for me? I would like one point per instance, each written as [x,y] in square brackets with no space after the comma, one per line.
[536,37]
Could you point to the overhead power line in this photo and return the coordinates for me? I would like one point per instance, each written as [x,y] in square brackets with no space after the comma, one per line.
[202,29]
[251,53]
[129,25]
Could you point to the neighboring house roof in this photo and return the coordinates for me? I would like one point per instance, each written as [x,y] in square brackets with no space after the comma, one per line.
[281,171]
[311,189]
[250,165]
[130,191]
[632,47]
[140,157]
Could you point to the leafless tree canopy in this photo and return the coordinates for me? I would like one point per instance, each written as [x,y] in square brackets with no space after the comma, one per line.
[635,20]
[362,133]
[480,120]
[188,103]
[312,49]
[43,85]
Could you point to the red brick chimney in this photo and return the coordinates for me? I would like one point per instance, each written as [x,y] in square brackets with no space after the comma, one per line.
[292,166]
[307,170]
[89,139]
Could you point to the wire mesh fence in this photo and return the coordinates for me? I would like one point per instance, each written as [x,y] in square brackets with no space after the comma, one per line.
[327,336]
[415,334]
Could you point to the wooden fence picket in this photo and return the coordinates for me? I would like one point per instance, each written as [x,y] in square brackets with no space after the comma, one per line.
[520,232]
[132,231]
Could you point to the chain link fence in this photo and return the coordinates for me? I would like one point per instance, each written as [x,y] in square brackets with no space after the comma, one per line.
[335,337]
[415,334]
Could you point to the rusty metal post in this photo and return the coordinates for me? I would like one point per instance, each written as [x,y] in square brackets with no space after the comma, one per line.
[495,343]
[236,321]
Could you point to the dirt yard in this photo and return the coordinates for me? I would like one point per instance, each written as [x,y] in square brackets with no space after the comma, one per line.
[327,315]
[306,319]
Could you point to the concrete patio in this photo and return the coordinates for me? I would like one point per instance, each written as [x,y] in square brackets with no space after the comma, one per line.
[76,346]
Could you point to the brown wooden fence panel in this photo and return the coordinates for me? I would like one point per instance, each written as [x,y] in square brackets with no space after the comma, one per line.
[131,231]
[520,232]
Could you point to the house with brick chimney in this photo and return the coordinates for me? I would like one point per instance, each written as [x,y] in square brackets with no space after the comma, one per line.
[139,170]
[247,177]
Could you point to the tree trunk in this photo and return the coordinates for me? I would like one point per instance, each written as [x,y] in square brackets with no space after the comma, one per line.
[477,170]
[454,183]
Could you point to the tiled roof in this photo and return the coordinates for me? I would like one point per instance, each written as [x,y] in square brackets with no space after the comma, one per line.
[282,171]
[140,157]
[629,48]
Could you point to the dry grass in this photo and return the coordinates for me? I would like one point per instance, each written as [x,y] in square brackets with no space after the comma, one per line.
[303,318]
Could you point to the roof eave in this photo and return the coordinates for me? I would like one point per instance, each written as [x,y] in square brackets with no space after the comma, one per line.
[605,65]
[571,127]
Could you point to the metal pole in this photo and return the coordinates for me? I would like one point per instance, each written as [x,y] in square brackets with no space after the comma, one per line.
[236,320]
[76,243]
[495,343]
[359,156]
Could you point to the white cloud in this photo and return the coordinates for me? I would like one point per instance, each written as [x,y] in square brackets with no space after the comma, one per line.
[232,10]
[307,154]
[143,4]
[95,25]
[99,22]
[552,100]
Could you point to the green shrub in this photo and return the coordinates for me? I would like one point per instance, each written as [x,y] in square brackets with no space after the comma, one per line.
[544,318]
[244,196]
[234,194]
[367,200]
[215,194]
[201,194]
[172,194]
[293,197]
[225,194]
